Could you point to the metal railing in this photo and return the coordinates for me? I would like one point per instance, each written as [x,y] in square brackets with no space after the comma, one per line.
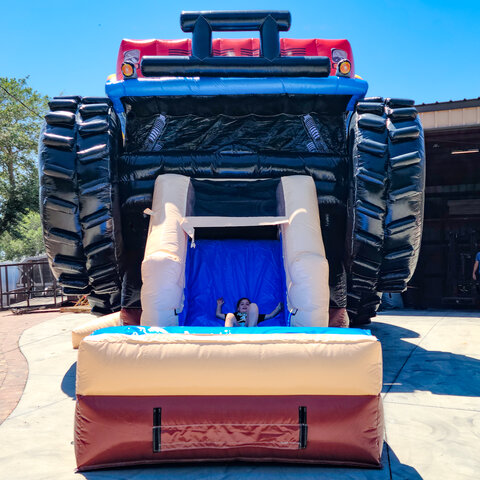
[34,288]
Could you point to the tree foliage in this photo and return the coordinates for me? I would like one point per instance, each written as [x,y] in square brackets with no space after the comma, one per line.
[28,240]
[21,115]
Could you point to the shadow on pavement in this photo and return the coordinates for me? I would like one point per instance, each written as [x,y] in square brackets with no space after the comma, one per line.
[68,381]
[406,312]
[260,471]
[408,367]
[398,469]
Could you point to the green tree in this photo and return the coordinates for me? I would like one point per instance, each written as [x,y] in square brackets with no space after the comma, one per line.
[21,115]
[28,240]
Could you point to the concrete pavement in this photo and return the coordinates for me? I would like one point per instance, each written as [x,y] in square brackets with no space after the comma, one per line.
[13,365]
[431,397]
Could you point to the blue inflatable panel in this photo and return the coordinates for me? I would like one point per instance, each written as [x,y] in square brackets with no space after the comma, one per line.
[166,86]
[130,330]
[233,269]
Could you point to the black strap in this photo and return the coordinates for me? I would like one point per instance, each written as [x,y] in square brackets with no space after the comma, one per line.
[157,425]
[302,420]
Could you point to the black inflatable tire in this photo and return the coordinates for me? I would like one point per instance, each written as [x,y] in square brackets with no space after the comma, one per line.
[406,174]
[367,140]
[99,143]
[385,202]
[79,144]
[59,202]
[362,307]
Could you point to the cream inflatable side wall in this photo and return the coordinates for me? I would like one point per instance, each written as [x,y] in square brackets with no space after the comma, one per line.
[163,267]
[244,364]
[84,330]
[306,267]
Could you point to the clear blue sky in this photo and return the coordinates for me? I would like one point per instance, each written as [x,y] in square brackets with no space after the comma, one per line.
[427,50]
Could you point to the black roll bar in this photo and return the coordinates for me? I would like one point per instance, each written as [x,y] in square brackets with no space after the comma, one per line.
[269,23]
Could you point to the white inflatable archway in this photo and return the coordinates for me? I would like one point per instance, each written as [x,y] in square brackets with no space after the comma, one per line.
[163,267]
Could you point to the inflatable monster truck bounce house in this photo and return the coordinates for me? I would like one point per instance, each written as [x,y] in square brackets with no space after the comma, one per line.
[230,168]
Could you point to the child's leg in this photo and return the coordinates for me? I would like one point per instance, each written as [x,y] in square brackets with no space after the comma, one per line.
[230,320]
[252,315]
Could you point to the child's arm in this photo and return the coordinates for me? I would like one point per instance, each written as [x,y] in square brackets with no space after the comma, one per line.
[218,312]
[275,312]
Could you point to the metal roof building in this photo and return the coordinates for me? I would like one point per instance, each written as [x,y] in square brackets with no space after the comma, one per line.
[452,206]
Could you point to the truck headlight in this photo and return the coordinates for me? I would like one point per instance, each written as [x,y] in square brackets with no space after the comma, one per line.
[344,68]
[128,69]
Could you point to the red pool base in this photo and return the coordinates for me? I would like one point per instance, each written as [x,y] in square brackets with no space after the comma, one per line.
[132,430]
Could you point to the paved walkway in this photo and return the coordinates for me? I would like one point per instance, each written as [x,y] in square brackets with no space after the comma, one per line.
[13,365]
[431,396]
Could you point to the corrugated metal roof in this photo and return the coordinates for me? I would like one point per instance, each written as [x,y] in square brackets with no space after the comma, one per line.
[449,105]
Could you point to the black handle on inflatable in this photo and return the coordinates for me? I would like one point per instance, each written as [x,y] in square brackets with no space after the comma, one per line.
[269,23]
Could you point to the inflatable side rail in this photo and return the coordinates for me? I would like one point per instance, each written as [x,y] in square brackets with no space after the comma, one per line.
[202,63]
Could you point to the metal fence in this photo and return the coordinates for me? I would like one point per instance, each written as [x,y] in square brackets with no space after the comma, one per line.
[28,285]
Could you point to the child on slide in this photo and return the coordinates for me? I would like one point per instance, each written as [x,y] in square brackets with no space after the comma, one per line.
[246,314]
